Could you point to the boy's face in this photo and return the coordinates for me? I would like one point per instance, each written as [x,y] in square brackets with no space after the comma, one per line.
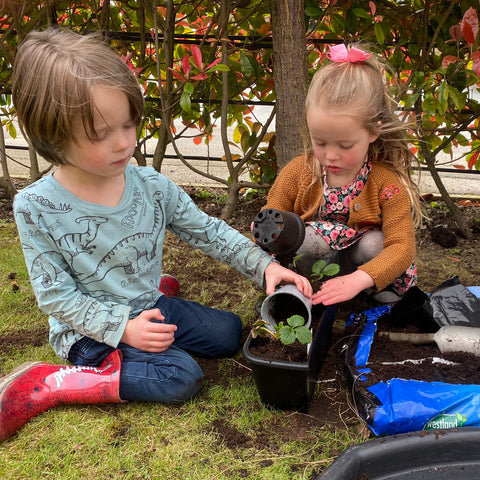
[114,143]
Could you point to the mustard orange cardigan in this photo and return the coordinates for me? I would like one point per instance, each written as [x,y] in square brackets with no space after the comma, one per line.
[384,203]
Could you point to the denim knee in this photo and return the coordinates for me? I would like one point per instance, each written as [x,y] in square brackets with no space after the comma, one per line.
[203,331]
[88,351]
[231,340]
[170,377]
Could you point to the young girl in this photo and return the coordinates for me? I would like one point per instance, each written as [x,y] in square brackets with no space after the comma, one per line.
[92,234]
[352,187]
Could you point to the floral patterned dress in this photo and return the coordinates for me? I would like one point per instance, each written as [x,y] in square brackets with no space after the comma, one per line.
[333,219]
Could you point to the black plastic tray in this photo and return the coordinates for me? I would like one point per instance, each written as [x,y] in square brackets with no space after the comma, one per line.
[452,454]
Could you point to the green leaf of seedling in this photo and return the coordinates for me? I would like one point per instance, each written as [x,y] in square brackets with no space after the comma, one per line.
[296,258]
[304,335]
[296,321]
[318,267]
[331,269]
[287,335]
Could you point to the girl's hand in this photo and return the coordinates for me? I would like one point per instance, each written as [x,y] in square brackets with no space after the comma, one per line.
[149,336]
[341,289]
[275,273]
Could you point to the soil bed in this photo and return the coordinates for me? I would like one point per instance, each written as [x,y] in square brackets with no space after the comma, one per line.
[428,363]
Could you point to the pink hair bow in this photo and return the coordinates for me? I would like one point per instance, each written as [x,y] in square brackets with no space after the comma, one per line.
[340,54]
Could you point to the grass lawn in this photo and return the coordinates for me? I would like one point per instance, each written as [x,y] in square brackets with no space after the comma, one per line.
[224,433]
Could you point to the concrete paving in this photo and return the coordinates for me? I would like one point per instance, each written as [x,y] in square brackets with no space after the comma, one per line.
[458,183]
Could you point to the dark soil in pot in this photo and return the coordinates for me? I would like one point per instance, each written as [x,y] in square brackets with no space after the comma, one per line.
[269,349]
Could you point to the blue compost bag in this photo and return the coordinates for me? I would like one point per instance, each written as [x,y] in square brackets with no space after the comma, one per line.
[402,405]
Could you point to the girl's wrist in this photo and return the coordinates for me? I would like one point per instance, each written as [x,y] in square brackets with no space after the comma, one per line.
[363,279]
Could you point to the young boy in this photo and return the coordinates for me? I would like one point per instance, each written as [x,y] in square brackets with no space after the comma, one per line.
[92,234]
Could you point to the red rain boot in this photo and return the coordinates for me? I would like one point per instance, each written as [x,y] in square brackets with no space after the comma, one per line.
[35,387]
[169,286]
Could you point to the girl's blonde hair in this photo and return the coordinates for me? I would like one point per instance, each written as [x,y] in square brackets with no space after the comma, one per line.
[53,79]
[359,89]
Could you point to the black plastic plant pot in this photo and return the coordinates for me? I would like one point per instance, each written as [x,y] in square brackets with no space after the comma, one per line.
[451,454]
[280,384]
[289,385]
[281,233]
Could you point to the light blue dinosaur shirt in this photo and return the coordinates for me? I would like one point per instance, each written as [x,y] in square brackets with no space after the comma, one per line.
[94,267]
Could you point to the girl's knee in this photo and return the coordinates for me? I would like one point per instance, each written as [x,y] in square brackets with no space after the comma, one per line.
[313,244]
[367,248]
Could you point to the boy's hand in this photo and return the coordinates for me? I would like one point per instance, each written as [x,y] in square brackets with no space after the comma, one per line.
[149,336]
[343,288]
[275,273]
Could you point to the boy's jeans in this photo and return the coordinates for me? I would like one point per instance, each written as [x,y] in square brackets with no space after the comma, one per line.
[172,376]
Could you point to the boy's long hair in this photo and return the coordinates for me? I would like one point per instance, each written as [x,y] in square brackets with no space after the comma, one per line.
[53,78]
[359,89]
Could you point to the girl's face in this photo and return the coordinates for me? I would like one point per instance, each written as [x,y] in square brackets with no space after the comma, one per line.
[340,143]
[108,154]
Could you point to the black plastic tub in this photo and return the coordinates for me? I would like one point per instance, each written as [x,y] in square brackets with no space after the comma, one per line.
[452,454]
[280,384]
[289,385]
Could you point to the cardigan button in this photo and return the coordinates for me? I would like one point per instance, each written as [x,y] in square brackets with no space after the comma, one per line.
[357,207]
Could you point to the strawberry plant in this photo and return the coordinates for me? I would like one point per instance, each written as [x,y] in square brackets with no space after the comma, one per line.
[320,268]
[293,330]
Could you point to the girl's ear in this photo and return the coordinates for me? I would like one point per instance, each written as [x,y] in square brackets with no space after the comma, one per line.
[376,132]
